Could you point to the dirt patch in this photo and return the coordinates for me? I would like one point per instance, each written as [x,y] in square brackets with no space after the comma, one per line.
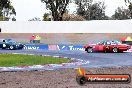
[64,78]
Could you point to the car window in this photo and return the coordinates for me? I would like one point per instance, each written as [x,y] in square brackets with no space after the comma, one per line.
[112,42]
[10,41]
[118,42]
[100,43]
[115,42]
[108,43]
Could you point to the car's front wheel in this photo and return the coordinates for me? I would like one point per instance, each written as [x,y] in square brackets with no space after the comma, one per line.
[115,50]
[11,47]
[89,50]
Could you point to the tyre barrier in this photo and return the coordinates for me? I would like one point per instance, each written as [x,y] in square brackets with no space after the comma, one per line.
[74,64]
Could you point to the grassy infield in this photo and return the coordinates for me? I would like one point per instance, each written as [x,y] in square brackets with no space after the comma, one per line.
[7,60]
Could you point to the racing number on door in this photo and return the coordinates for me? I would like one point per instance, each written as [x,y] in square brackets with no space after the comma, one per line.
[4,45]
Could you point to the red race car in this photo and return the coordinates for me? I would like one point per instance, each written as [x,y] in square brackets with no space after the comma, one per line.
[107,46]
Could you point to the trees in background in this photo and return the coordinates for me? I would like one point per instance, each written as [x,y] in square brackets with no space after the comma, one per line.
[129,2]
[130,10]
[87,10]
[73,17]
[65,17]
[90,10]
[57,8]
[97,11]
[6,10]
[121,14]
[47,17]
[84,8]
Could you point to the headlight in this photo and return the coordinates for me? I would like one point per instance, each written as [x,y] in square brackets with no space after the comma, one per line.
[129,47]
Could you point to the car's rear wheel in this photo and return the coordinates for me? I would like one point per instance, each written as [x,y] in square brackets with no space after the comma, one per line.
[89,50]
[11,47]
[115,50]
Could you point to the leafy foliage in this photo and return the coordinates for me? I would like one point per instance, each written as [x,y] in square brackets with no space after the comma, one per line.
[73,17]
[46,17]
[128,1]
[121,14]
[130,9]
[91,11]
[6,9]
[57,8]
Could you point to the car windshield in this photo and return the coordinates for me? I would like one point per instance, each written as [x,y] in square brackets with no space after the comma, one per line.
[10,41]
[100,43]
[109,42]
[115,42]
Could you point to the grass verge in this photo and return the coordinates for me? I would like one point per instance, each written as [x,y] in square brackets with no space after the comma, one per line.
[7,60]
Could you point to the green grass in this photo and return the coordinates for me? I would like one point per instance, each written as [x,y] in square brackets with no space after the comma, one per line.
[7,60]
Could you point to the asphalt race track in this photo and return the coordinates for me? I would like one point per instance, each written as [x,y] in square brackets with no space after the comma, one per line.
[95,59]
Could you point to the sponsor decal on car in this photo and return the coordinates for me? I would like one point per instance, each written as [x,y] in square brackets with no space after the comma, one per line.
[4,45]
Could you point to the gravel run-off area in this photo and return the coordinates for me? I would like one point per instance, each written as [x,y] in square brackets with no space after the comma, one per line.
[62,78]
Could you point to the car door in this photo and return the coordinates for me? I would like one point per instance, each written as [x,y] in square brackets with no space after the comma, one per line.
[100,46]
